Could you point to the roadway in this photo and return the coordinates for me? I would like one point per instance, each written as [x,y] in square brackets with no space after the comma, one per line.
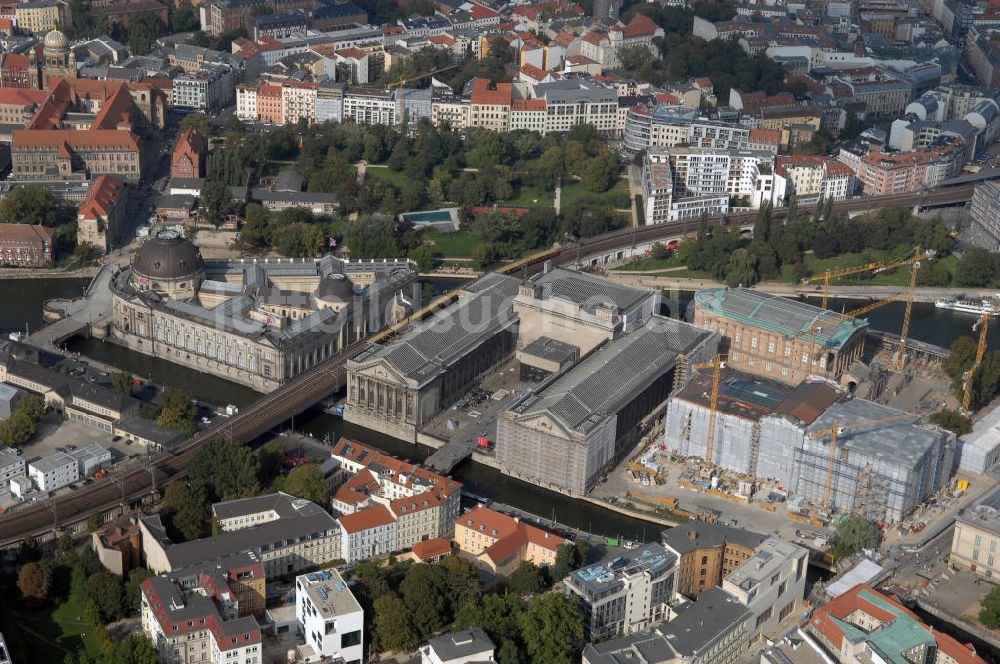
[307,389]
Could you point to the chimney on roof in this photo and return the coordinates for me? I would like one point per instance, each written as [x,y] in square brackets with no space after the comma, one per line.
[693,535]
[517,519]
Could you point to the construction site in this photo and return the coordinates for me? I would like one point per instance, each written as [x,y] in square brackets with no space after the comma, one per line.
[849,438]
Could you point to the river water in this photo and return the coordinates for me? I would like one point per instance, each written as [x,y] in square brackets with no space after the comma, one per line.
[22,304]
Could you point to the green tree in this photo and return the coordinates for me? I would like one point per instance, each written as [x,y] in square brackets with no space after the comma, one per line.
[198,121]
[184,18]
[305,481]
[742,269]
[976,269]
[952,420]
[29,204]
[989,611]
[34,580]
[423,591]
[95,522]
[423,257]
[240,478]
[185,509]
[133,589]
[854,533]
[143,31]
[215,202]
[567,559]
[299,240]
[270,461]
[552,629]
[392,626]
[498,616]
[122,382]
[106,590]
[527,579]
[177,411]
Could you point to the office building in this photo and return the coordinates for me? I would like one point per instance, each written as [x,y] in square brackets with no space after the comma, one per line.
[91,458]
[258,323]
[778,338]
[11,465]
[54,471]
[771,584]
[287,534]
[204,613]
[707,553]
[712,630]
[500,543]
[984,215]
[626,594]
[571,429]
[330,618]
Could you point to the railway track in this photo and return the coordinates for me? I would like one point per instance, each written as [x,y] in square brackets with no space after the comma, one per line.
[302,392]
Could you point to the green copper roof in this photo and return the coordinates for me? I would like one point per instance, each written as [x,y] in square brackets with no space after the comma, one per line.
[779,314]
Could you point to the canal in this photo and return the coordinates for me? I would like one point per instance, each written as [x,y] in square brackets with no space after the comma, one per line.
[23,298]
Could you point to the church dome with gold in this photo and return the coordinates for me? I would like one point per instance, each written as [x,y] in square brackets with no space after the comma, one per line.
[56,41]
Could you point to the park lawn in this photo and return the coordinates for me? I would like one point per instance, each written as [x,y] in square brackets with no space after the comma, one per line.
[612,198]
[453,245]
[816,267]
[397,178]
[650,263]
[61,631]
[531,196]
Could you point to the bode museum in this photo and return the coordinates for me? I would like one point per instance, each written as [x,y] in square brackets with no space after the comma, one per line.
[258,322]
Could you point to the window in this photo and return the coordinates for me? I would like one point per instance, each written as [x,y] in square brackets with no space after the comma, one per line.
[349,639]
[770,346]
[979,540]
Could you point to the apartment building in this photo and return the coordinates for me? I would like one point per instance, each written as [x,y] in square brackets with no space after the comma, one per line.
[809,178]
[204,614]
[387,504]
[40,16]
[661,126]
[54,471]
[500,543]
[708,553]
[712,630]
[490,105]
[882,174]
[529,114]
[984,212]
[298,102]
[98,221]
[19,105]
[771,583]
[658,191]
[287,534]
[626,594]
[450,112]
[573,102]
[329,617]
[208,89]
[370,106]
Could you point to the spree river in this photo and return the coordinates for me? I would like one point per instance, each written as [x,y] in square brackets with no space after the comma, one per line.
[22,304]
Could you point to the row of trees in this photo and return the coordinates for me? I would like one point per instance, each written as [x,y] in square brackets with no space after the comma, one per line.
[407,603]
[985,382]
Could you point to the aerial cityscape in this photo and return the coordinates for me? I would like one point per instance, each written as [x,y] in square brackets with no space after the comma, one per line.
[469,332]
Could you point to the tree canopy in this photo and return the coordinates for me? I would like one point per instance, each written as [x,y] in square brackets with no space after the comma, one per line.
[854,533]
[29,204]
[305,481]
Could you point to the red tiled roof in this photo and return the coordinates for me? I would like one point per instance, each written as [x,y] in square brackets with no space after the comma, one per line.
[482,94]
[446,40]
[511,534]
[432,548]
[525,105]
[351,52]
[372,517]
[595,38]
[639,26]
[534,72]
[24,96]
[26,233]
[564,39]
[765,136]
[480,13]
[579,60]
[101,197]
[61,138]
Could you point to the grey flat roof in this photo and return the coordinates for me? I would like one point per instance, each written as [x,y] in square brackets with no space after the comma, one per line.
[612,375]
[598,578]
[551,349]
[456,645]
[148,429]
[899,441]
[51,462]
[588,291]
[430,347]
[284,505]
[694,535]
[329,593]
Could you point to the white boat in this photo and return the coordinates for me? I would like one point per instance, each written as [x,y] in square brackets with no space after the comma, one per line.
[977,307]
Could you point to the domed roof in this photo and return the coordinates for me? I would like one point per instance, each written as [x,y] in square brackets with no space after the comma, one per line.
[56,40]
[335,287]
[167,255]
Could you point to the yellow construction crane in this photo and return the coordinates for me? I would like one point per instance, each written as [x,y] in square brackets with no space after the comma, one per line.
[984,329]
[874,266]
[403,81]
[717,366]
[837,430]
